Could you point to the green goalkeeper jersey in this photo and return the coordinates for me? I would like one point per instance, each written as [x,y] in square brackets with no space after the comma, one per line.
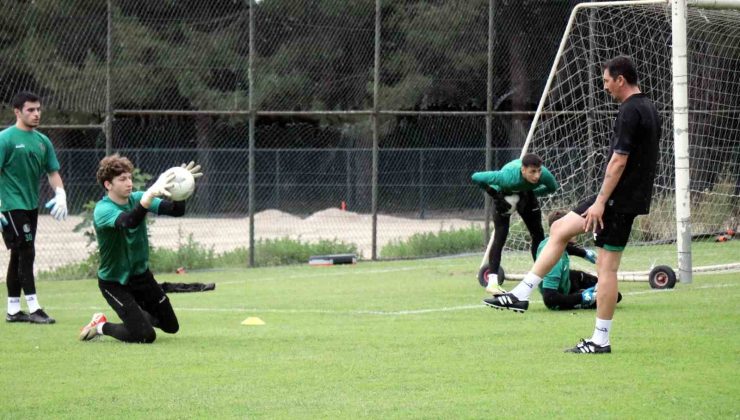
[123,252]
[24,157]
[559,277]
[509,180]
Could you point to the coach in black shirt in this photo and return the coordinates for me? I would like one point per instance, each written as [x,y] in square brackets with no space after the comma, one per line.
[625,193]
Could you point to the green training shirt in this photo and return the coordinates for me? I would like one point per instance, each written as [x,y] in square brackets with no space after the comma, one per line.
[123,252]
[24,156]
[559,277]
[509,180]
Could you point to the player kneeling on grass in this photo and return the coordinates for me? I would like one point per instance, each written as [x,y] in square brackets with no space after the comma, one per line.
[563,288]
[123,276]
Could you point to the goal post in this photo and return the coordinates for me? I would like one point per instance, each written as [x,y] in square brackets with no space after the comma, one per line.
[687,57]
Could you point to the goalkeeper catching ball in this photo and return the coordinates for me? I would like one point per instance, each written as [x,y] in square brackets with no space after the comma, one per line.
[124,278]
[515,187]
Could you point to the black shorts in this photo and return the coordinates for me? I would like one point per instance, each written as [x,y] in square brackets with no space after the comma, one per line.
[21,229]
[617,227]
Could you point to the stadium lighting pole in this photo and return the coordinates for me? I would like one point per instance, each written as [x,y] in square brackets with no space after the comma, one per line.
[374,125]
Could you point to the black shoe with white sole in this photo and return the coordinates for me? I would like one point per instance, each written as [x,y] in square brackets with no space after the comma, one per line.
[589,347]
[19,316]
[507,301]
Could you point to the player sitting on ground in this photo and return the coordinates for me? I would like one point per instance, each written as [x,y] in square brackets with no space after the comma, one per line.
[563,288]
[515,187]
[124,278]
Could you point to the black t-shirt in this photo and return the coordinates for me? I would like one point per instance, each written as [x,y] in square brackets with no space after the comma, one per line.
[636,133]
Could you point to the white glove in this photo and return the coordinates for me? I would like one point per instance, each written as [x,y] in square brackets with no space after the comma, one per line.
[512,200]
[160,188]
[58,204]
[194,169]
[3,222]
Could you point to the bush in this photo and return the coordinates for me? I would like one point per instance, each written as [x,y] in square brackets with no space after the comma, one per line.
[193,255]
[445,242]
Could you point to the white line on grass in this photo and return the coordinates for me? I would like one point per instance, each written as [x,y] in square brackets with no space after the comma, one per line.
[387,313]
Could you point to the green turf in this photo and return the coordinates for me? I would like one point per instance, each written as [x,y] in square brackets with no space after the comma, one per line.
[405,339]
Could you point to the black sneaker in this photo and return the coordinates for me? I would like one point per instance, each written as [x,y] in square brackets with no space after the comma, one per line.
[40,317]
[507,301]
[19,316]
[589,347]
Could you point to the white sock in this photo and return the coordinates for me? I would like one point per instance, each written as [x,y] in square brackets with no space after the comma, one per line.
[99,327]
[492,280]
[14,305]
[33,303]
[601,332]
[523,290]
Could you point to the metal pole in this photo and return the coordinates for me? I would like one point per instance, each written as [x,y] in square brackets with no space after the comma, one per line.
[252,120]
[681,138]
[489,113]
[108,124]
[374,122]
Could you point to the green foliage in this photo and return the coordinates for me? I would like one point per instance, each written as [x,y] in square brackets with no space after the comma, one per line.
[189,254]
[444,242]
[283,251]
[192,255]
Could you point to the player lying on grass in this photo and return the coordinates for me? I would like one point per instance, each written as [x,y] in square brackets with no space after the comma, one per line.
[563,288]
[515,186]
[124,278]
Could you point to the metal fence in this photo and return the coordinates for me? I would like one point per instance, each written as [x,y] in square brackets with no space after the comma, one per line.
[293,108]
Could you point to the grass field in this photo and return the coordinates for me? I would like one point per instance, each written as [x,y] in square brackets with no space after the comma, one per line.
[406,339]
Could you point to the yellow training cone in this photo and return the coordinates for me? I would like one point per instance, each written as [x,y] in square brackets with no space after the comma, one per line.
[253,320]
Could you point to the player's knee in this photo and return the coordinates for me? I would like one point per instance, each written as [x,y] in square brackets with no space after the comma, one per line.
[144,336]
[171,327]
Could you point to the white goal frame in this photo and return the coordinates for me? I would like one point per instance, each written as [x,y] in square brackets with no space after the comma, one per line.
[680,112]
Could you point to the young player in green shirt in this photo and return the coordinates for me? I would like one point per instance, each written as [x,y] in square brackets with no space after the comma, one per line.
[515,186]
[124,278]
[26,154]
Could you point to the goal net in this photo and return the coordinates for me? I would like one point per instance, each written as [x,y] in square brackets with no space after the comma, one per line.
[572,131]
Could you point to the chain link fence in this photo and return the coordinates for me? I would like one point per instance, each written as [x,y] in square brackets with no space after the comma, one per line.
[356,121]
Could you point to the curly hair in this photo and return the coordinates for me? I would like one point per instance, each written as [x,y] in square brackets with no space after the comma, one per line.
[112,166]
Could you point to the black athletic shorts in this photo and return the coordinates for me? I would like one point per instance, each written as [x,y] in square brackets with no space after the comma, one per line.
[617,227]
[21,228]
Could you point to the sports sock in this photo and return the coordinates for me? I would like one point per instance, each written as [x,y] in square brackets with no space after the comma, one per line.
[601,332]
[99,327]
[14,305]
[492,280]
[33,303]
[523,290]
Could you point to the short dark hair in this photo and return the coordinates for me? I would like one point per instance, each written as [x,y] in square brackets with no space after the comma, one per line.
[530,159]
[555,215]
[21,98]
[622,66]
[112,166]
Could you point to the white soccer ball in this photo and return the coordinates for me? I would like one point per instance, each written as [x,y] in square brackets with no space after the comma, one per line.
[184,184]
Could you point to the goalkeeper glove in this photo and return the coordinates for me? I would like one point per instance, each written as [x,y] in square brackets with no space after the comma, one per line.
[194,169]
[588,297]
[58,204]
[591,256]
[160,188]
